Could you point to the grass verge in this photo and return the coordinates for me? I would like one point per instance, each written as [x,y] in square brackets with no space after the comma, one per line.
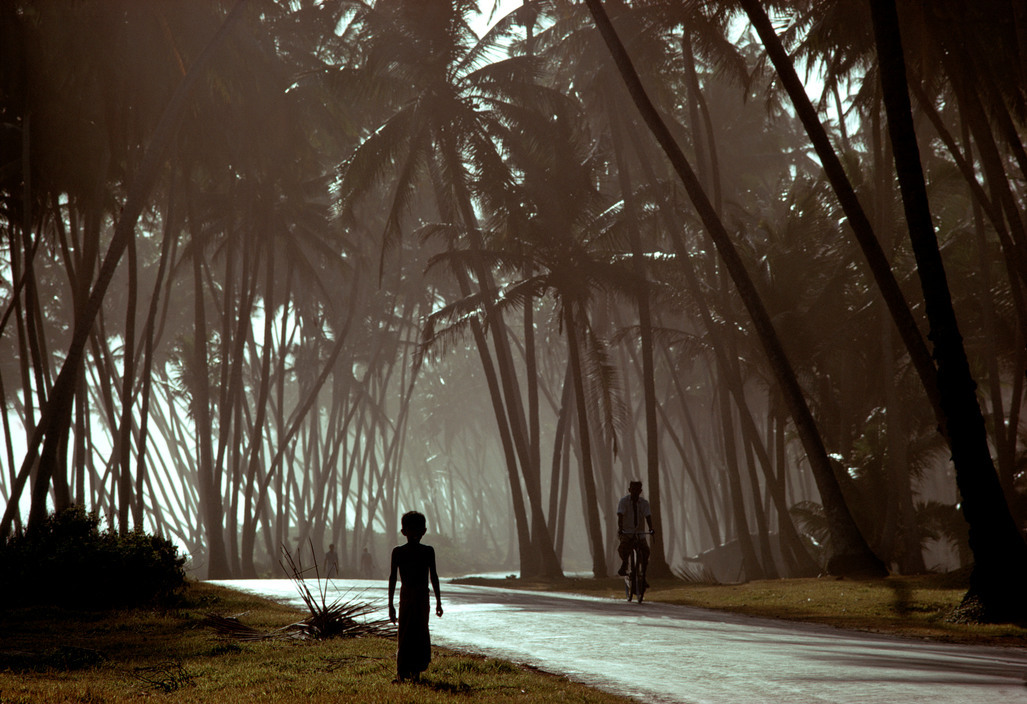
[50,656]
[914,606]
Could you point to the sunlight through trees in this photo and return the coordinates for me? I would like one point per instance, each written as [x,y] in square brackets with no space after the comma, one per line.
[277,271]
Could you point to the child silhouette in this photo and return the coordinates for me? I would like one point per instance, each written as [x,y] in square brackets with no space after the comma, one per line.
[415,564]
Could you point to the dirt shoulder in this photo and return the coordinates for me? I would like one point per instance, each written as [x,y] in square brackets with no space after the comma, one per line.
[914,607]
[54,656]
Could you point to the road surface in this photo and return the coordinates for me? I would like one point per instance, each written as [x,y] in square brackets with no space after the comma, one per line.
[663,653]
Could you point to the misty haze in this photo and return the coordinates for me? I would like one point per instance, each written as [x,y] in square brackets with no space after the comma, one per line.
[275,272]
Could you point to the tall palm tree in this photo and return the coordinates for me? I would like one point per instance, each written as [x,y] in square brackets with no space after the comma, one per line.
[547,233]
[448,117]
[57,414]
[999,577]
[853,555]
[857,218]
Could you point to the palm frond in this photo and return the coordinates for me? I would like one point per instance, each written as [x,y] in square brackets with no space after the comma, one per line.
[497,78]
[602,385]
[405,188]
[810,521]
[470,262]
[445,231]
[518,294]
[944,522]
[692,571]
[488,44]
[446,326]
[370,165]
[232,627]
[342,617]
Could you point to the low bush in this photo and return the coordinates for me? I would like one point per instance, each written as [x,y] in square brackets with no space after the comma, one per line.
[68,561]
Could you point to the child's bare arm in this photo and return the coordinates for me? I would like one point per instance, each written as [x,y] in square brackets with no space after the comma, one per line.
[392,588]
[434,576]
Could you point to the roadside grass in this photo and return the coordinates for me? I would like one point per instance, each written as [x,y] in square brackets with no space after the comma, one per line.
[911,606]
[51,656]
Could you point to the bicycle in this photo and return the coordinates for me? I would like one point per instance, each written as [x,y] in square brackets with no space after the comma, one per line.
[634,578]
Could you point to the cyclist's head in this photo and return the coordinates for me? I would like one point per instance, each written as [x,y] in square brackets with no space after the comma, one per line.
[635,487]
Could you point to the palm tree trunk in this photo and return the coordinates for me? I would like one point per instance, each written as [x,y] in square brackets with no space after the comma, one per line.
[703,493]
[856,216]
[562,418]
[728,364]
[540,527]
[527,559]
[127,392]
[853,555]
[1013,245]
[751,566]
[541,541]
[285,440]
[263,392]
[150,336]
[760,503]
[594,526]
[567,448]
[900,541]
[57,413]
[999,577]
[658,566]
[211,505]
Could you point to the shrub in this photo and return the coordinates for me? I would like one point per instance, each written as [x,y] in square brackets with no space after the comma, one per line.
[68,561]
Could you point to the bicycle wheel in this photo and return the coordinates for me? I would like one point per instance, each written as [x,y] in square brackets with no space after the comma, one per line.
[630,583]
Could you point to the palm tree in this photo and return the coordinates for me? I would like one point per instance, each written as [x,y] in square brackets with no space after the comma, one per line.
[853,555]
[548,230]
[999,577]
[57,414]
[449,124]
[857,218]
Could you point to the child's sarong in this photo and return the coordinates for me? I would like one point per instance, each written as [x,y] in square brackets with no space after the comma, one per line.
[414,652]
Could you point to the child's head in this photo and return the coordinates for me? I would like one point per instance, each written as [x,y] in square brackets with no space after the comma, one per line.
[414,524]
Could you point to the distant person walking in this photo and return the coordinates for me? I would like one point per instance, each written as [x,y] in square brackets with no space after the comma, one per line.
[633,514]
[366,564]
[331,562]
[415,564]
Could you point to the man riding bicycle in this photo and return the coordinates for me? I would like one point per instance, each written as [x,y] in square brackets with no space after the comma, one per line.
[632,517]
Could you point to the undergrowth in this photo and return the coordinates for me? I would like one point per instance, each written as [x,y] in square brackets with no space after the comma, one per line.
[68,561]
[129,655]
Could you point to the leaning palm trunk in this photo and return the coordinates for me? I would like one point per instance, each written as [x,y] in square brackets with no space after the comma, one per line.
[253,445]
[150,336]
[852,554]
[702,493]
[274,470]
[211,504]
[540,556]
[541,541]
[1016,269]
[658,566]
[854,213]
[57,413]
[595,531]
[999,577]
[124,462]
[751,565]
[899,537]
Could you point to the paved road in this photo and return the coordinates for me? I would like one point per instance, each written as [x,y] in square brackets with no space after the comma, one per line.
[663,653]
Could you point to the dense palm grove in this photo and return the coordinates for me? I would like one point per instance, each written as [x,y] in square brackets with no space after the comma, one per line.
[276,271]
